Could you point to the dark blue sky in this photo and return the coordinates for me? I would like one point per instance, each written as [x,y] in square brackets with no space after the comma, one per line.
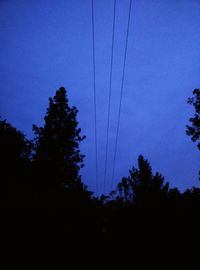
[48,44]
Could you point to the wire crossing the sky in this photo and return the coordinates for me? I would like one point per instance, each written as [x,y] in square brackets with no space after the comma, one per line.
[109,98]
[95,103]
[121,94]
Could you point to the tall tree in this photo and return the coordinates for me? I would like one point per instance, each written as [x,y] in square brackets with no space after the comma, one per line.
[194,129]
[57,153]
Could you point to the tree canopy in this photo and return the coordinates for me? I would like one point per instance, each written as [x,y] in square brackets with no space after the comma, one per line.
[45,173]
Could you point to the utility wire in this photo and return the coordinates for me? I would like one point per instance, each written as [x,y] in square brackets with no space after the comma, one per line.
[95,104]
[109,98]
[121,94]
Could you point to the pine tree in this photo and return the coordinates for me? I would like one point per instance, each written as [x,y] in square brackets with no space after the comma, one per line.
[57,154]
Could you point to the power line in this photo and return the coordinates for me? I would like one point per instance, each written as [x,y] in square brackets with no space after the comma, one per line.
[109,98]
[95,104]
[121,94]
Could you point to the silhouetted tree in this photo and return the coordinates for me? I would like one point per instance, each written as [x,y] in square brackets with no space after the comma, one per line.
[15,157]
[57,155]
[142,187]
[194,129]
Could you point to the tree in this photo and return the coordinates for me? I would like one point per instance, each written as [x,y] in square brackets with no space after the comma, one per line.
[57,156]
[142,187]
[194,129]
[15,158]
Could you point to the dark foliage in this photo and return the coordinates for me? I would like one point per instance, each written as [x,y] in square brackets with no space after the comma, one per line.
[194,129]
[43,177]
[15,156]
[142,188]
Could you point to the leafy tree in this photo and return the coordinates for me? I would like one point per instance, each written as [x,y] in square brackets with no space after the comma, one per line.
[57,155]
[194,129]
[142,187]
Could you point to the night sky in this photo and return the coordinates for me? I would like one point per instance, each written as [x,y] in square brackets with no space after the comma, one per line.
[48,44]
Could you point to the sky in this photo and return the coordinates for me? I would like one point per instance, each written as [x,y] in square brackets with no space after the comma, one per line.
[47,44]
